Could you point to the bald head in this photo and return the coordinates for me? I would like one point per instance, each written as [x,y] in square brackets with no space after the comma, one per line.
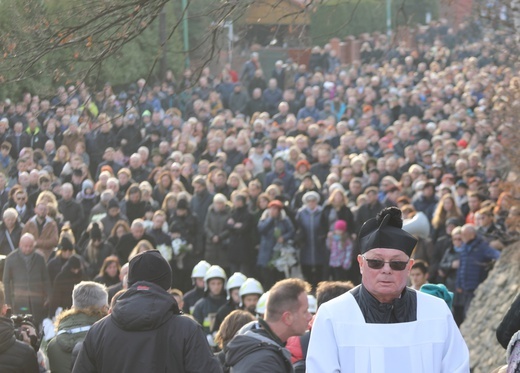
[468,233]
[27,244]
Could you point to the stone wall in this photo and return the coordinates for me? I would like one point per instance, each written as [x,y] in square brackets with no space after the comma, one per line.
[492,300]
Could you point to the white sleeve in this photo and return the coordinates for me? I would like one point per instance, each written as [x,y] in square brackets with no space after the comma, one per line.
[322,355]
[456,354]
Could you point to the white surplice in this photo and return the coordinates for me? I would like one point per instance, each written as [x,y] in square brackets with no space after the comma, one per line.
[341,341]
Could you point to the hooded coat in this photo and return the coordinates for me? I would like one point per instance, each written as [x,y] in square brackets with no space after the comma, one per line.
[146,321]
[15,356]
[72,329]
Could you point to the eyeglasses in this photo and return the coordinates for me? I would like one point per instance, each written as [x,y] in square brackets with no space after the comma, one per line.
[396,265]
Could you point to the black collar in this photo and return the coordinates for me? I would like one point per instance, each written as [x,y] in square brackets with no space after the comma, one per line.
[402,309]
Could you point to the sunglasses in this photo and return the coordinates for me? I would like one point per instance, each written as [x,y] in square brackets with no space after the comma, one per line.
[395,265]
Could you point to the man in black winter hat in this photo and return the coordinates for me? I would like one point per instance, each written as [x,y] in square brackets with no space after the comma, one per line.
[146,331]
[358,331]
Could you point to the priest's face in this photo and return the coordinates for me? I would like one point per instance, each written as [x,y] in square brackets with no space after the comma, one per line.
[385,284]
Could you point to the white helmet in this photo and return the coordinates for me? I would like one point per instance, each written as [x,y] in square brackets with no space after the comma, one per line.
[235,281]
[313,303]
[261,306]
[200,269]
[251,286]
[215,272]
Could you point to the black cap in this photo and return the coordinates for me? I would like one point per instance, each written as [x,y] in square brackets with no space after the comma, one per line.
[74,262]
[77,172]
[150,266]
[95,232]
[113,203]
[385,232]
[182,204]
[66,244]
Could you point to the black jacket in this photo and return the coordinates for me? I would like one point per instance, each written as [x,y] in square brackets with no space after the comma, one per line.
[146,333]
[73,212]
[5,246]
[199,205]
[15,356]
[191,298]
[27,286]
[510,324]
[127,243]
[240,248]
[257,350]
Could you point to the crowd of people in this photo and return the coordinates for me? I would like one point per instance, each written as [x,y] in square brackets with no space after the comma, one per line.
[244,178]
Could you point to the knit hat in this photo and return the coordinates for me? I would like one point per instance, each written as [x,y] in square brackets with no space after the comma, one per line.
[74,262]
[385,232]
[311,195]
[340,225]
[113,203]
[87,184]
[303,162]
[150,266]
[95,232]
[182,204]
[439,291]
[66,244]
[276,203]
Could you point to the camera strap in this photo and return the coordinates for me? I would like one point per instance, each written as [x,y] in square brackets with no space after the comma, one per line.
[74,330]
[8,236]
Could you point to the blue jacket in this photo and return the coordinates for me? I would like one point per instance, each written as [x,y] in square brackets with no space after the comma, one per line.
[286,177]
[474,258]
[313,250]
[272,97]
[266,229]
[305,112]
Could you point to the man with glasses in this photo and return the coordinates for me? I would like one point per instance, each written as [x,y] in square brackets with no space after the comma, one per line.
[381,325]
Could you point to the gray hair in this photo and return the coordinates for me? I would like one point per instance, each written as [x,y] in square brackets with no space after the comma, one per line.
[10,212]
[137,223]
[107,195]
[89,294]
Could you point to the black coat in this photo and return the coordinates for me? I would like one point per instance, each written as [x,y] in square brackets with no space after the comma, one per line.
[366,212]
[15,356]
[72,211]
[200,204]
[26,289]
[133,210]
[132,135]
[240,248]
[156,338]
[25,142]
[54,267]
[127,243]
[187,227]
[510,324]
[63,286]
[96,143]
[5,246]
[94,264]
[344,213]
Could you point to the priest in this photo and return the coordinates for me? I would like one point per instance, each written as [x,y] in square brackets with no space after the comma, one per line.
[382,325]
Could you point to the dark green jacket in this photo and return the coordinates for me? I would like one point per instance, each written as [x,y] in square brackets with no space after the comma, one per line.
[60,347]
